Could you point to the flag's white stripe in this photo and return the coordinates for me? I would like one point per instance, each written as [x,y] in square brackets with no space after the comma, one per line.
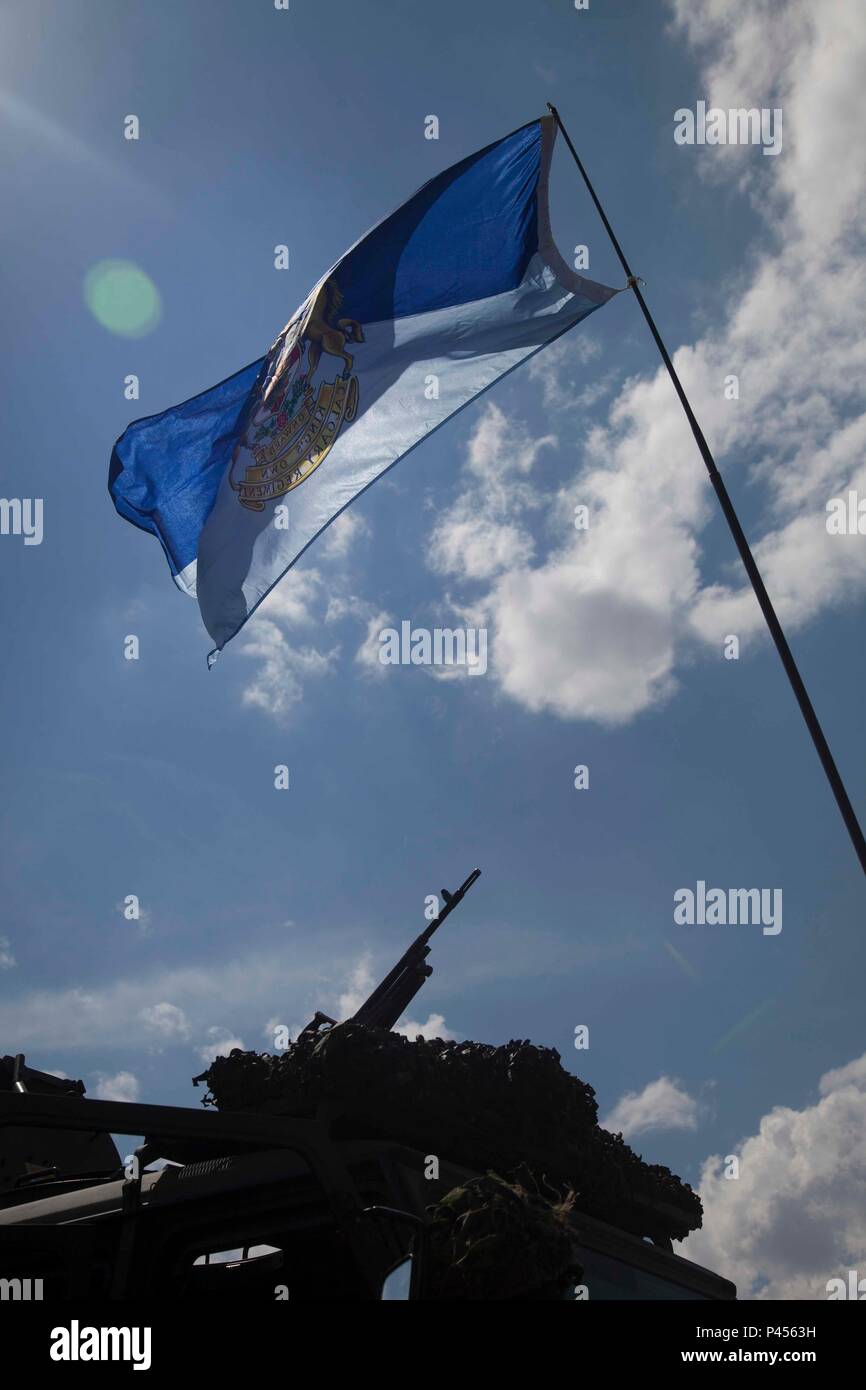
[464,348]
[186,579]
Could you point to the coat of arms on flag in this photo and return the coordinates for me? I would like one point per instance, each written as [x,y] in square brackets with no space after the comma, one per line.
[299,417]
[458,286]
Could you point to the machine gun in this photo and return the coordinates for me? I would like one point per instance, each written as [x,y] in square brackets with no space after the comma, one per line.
[391,998]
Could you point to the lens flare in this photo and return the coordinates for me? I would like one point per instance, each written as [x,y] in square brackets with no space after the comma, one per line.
[122,298]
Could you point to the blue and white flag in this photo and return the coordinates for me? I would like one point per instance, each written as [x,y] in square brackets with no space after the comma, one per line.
[457,287]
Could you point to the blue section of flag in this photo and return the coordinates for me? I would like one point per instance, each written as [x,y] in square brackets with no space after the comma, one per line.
[467,234]
[459,284]
[166,469]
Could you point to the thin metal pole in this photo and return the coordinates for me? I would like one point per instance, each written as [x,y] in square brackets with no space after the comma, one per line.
[800,692]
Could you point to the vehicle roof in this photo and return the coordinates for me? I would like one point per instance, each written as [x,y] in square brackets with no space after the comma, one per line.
[266,1149]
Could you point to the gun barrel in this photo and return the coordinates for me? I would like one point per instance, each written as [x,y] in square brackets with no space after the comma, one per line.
[383,1011]
[393,995]
[451,900]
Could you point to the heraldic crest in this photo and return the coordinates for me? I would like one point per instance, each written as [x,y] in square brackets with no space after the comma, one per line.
[298,420]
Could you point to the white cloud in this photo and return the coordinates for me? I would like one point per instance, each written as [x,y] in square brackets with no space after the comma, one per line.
[142,921]
[590,631]
[433,1028]
[579,652]
[120,1013]
[345,605]
[220,1044]
[7,960]
[796,1216]
[481,534]
[367,655]
[349,527]
[122,1086]
[478,546]
[599,627]
[284,664]
[852,1074]
[361,983]
[807,59]
[167,1021]
[663,1104]
[278,683]
[559,371]
[796,336]
[293,600]
[302,601]
[270,1029]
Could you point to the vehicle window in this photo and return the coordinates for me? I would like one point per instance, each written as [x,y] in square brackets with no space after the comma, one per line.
[247,1252]
[606,1277]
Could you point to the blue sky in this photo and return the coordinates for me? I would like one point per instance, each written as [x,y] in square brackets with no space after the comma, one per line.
[155,777]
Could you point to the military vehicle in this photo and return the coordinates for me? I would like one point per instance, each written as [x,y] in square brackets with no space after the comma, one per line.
[358,1164]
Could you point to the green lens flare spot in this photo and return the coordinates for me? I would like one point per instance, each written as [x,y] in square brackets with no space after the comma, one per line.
[122,298]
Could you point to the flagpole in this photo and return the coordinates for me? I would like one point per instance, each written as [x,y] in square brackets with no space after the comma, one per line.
[796,680]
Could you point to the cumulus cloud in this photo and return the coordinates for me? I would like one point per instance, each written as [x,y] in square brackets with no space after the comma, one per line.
[340,537]
[122,1086]
[433,1028]
[293,601]
[590,630]
[166,1021]
[663,1104]
[278,683]
[600,625]
[576,651]
[142,921]
[283,637]
[360,985]
[796,335]
[7,960]
[560,372]
[220,1043]
[481,535]
[271,1027]
[367,655]
[795,1217]
[121,1013]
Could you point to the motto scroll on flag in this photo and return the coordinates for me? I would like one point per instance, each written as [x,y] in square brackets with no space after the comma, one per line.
[457,287]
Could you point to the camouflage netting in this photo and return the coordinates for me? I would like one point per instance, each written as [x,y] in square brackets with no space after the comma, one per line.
[494,1239]
[480,1106]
